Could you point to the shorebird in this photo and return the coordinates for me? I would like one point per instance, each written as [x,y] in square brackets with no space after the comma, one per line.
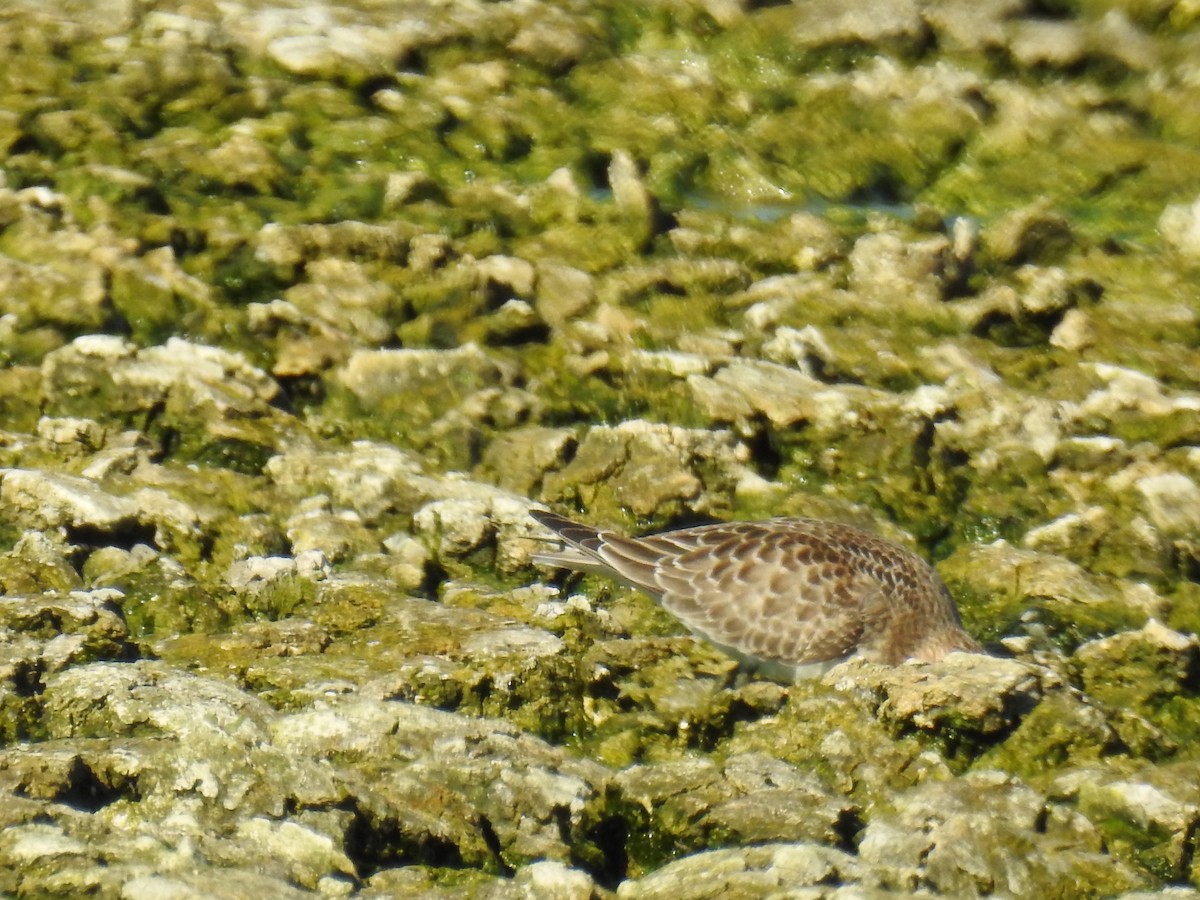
[789,598]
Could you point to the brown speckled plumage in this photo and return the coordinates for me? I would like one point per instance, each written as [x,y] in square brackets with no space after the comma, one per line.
[786,596]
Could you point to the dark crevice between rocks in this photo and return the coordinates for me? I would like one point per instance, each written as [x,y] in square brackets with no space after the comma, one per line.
[481,690]
[533,333]
[562,821]
[413,61]
[86,791]
[373,844]
[114,321]
[1110,181]
[25,145]
[300,394]
[1028,330]
[243,457]
[608,860]
[495,294]
[569,449]
[1189,566]
[707,734]
[1187,852]
[882,187]
[687,518]
[1189,684]
[764,447]
[85,540]
[1042,820]
[1015,707]
[150,424]
[925,463]
[25,678]
[849,829]
[492,842]
[922,453]
[435,577]
[88,538]
[959,746]
[594,167]
[602,688]
[366,89]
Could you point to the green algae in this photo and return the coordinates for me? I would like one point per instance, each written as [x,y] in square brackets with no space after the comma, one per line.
[1061,732]
[156,600]
[31,567]
[1151,679]
[1152,846]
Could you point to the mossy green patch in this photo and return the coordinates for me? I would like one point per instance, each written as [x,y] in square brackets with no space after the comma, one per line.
[1185,607]
[1145,841]
[27,570]
[158,598]
[1062,732]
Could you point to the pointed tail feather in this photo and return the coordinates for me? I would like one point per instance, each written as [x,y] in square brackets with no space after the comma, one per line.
[628,560]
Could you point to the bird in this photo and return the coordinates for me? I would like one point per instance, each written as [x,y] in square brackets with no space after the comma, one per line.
[788,598]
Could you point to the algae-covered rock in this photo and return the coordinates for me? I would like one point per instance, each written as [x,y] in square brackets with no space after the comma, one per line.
[1172,503]
[648,468]
[210,404]
[345,495]
[927,268]
[157,594]
[759,871]
[46,633]
[408,391]
[184,744]
[675,808]
[962,698]
[805,349]
[1064,730]
[372,478]
[519,460]
[154,295]
[1150,673]
[837,735]
[112,699]
[51,277]
[983,833]
[38,562]
[998,585]
[232,884]
[316,528]
[342,295]
[1142,824]
[75,628]
[45,500]
[490,794]
[1028,311]
[910,276]
[1134,406]
[740,391]
[1028,235]
[490,524]
[544,880]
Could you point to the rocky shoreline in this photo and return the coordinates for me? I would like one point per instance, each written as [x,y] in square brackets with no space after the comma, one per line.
[304,306]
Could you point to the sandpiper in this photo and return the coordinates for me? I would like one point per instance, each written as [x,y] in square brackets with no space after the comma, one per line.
[789,598]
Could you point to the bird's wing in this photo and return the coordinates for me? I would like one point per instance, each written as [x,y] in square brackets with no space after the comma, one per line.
[770,590]
[767,590]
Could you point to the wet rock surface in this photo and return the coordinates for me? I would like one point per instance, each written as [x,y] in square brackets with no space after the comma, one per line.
[304,307]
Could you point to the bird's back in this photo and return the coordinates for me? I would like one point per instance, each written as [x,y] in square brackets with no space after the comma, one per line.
[783,593]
